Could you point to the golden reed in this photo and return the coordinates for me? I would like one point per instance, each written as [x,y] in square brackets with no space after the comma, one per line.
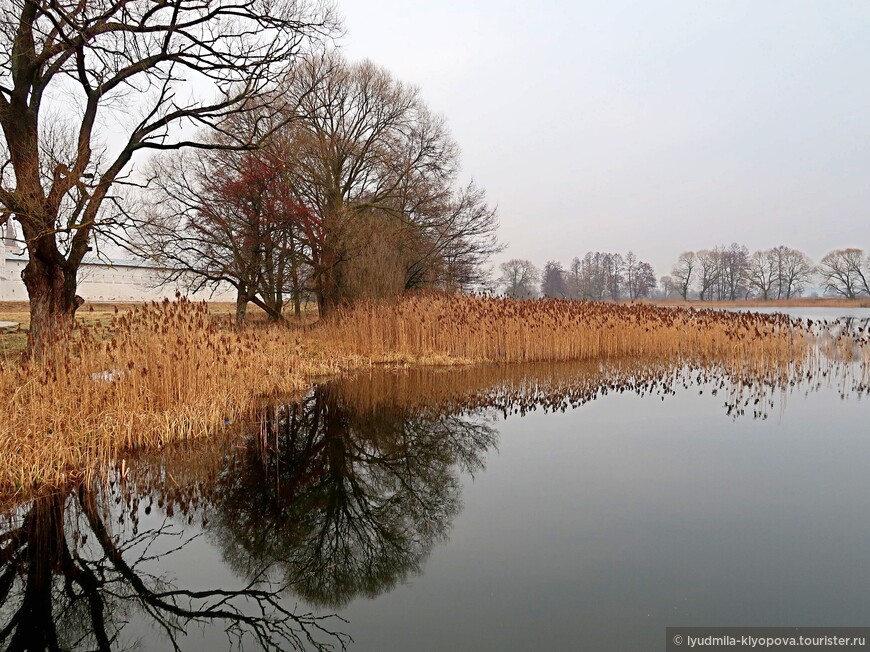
[480,328]
[168,372]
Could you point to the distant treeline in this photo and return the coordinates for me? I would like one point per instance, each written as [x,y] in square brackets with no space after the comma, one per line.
[719,274]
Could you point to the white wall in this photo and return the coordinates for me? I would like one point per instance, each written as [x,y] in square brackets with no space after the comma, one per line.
[99,282]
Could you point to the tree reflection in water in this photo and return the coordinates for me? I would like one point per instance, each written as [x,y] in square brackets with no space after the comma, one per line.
[69,583]
[341,495]
[344,502]
[322,501]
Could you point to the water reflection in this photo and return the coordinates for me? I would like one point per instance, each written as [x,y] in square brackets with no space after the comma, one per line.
[69,582]
[344,503]
[341,495]
[321,501]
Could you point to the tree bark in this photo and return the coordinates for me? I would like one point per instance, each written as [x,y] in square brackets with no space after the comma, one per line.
[269,309]
[297,303]
[241,306]
[51,288]
[296,292]
[330,285]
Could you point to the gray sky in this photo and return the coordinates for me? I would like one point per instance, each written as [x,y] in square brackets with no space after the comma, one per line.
[652,126]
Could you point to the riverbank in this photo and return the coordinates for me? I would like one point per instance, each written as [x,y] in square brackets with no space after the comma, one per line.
[150,376]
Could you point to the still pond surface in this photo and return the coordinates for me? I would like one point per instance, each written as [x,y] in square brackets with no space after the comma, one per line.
[537,507]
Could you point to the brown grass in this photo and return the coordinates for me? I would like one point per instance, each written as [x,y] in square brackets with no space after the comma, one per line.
[500,330]
[168,372]
[160,374]
[14,341]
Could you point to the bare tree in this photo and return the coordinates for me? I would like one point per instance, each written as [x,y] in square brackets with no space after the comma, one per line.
[638,277]
[519,278]
[794,271]
[83,61]
[574,279]
[729,273]
[599,276]
[594,276]
[683,272]
[763,273]
[370,160]
[458,239]
[74,67]
[734,271]
[669,287]
[614,267]
[553,281]
[226,216]
[641,281]
[708,273]
[845,272]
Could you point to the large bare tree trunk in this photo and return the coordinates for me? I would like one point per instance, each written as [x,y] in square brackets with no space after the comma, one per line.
[330,286]
[241,306]
[51,288]
[328,295]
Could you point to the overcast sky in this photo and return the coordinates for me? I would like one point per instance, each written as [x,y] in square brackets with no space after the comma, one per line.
[651,126]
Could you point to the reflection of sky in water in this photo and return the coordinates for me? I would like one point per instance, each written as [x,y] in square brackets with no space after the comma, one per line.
[808,312]
[593,528]
[597,528]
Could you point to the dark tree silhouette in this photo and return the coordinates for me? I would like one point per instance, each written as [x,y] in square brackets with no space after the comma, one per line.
[345,502]
[553,281]
[67,582]
[70,68]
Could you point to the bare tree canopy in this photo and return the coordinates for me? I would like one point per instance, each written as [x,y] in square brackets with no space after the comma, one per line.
[846,272]
[729,273]
[601,275]
[553,282]
[763,274]
[779,273]
[795,271]
[228,216]
[639,277]
[378,170]
[357,194]
[151,71]
[683,273]
[519,279]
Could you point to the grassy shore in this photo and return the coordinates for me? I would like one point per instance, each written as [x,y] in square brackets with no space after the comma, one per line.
[152,376]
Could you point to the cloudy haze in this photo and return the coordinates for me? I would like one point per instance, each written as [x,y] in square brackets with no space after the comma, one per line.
[652,126]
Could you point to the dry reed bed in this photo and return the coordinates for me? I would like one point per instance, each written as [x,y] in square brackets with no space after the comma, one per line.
[794,302]
[499,330]
[180,478]
[167,373]
[170,373]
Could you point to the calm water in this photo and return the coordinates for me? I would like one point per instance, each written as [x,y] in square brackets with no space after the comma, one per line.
[515,508]
[809,312]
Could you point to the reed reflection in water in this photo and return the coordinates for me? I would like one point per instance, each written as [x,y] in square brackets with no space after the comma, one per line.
[321,503]
[339,496]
